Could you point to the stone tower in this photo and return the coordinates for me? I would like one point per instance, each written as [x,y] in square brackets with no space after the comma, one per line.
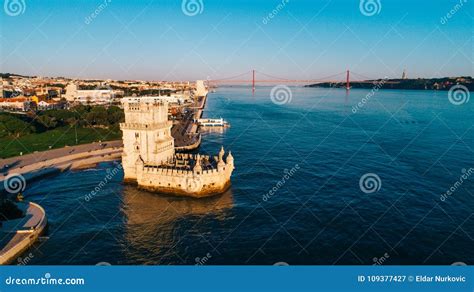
[147,136]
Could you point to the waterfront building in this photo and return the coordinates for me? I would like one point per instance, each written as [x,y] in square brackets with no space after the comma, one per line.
[149,157]
[175,98]
[201,89]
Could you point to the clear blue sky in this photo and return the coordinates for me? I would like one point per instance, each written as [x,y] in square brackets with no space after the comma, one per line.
[155,40]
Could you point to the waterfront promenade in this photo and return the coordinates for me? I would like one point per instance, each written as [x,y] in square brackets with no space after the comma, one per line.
[18,235]
[37,164]
[185,132]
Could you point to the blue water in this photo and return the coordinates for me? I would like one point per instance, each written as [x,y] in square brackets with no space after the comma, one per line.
[416,142]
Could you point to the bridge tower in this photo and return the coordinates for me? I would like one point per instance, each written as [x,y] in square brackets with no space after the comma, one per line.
[253,81]
[348,83]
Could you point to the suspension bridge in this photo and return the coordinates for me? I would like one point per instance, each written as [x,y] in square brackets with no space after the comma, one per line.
[250,77]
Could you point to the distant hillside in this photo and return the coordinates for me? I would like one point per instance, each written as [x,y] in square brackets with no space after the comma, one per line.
[8,75]
[414,84]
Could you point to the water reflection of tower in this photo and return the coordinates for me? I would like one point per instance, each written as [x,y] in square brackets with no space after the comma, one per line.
[153,221]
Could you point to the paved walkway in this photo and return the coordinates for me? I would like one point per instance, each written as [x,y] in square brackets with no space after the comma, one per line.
[18,235]
[35,165]
[28,159]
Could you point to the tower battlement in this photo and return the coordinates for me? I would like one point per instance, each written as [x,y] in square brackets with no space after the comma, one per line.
[150,161]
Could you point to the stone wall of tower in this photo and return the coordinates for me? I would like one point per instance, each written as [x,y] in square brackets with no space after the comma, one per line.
[146,135]
[186,182]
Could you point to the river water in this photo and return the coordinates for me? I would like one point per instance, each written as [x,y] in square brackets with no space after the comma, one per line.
[296,196]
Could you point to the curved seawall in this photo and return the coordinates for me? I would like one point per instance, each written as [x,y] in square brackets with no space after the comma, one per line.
[39,164]
[19,234]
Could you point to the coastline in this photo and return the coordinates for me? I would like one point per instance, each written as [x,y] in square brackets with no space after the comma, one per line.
[36,165]
[25,232]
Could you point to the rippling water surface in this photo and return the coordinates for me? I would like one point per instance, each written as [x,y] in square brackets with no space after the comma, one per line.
[311,152]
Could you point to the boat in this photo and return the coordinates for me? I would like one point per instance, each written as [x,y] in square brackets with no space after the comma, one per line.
[213,122]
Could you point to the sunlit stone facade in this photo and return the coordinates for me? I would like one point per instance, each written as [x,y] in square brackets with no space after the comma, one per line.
[150,161]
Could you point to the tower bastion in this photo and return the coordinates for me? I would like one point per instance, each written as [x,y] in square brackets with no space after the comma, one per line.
[149,159]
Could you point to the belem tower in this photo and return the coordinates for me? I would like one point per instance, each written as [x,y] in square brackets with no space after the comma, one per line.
[149,158]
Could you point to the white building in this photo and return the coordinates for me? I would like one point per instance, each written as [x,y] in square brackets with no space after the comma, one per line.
[201,89]
[93,96]
[172,98]
[15,104]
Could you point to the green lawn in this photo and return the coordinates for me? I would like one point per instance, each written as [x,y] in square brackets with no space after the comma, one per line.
[56,138]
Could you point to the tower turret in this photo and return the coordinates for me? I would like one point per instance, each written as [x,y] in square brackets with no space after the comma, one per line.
[221,153]
[230,159]
[197,165]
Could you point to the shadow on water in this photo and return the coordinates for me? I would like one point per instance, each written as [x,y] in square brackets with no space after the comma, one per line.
[152,222]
